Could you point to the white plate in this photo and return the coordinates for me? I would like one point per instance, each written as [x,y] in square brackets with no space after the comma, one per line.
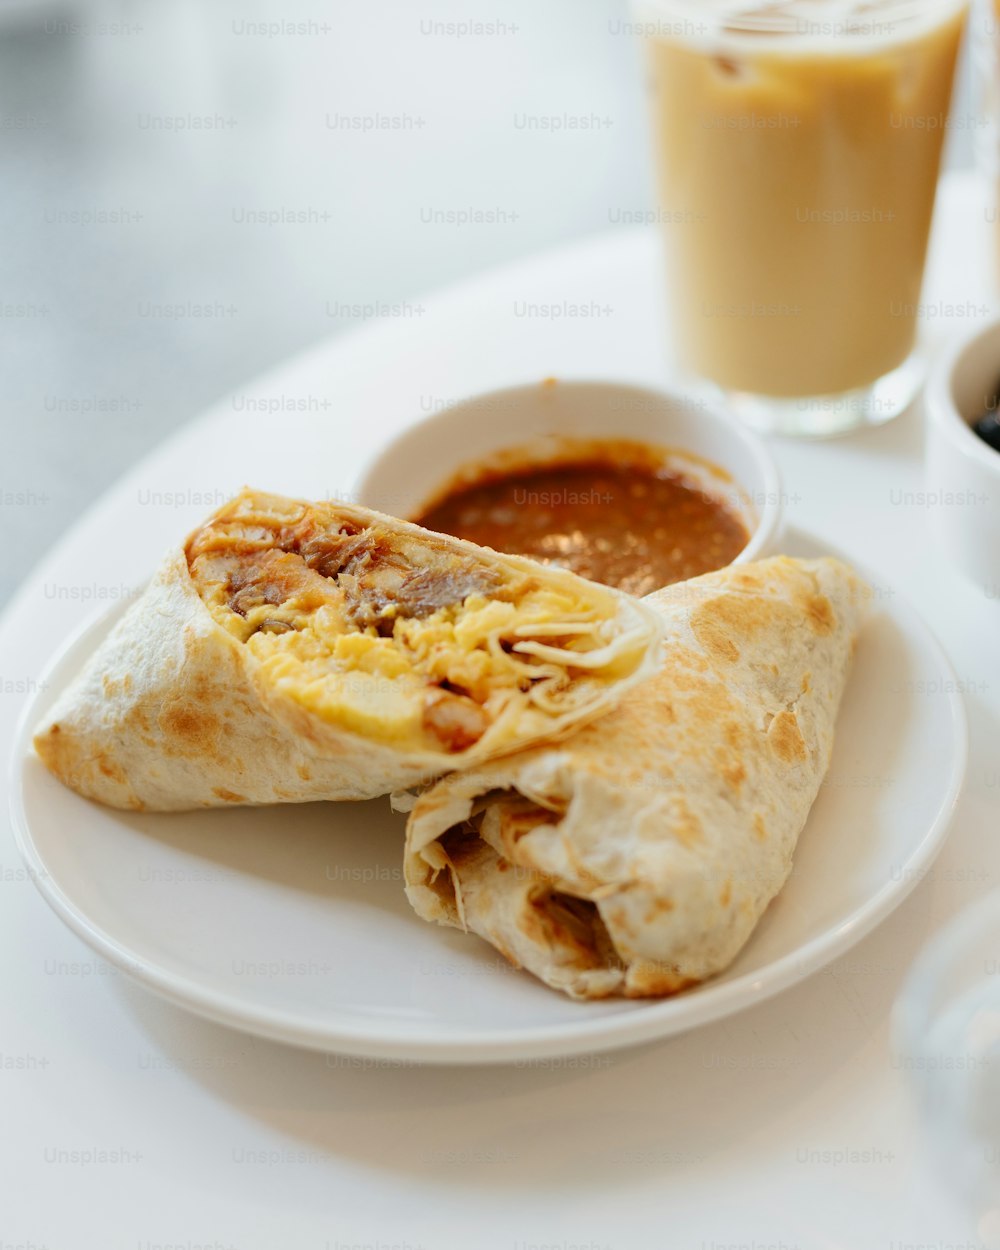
[291,921]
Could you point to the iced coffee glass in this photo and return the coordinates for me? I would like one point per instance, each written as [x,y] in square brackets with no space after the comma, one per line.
[798,147]
[985,32]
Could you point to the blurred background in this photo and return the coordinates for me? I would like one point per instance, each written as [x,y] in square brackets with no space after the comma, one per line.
[194,190]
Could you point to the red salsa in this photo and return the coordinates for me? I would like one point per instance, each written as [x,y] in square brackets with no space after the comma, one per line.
[617,515]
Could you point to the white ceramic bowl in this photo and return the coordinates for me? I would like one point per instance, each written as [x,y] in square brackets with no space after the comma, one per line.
[963,472]
[701,440]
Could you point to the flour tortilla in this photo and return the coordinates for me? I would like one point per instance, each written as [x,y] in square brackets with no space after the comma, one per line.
[636,858]
[173,712]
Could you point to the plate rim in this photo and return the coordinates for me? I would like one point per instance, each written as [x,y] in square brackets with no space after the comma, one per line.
[650,1021]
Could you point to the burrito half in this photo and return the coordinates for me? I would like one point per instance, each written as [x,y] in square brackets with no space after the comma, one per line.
[636,858]
[295,651]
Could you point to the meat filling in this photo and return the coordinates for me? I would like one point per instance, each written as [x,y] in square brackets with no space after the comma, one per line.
[379,583]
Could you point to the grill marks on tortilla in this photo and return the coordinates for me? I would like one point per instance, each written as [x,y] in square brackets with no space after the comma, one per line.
[315,559]
[786,739]
[727,620]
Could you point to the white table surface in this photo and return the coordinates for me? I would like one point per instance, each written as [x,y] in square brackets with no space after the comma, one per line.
[191,1135]
[95,372]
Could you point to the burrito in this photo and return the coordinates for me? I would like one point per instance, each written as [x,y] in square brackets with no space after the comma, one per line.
[636,858]
[293,651]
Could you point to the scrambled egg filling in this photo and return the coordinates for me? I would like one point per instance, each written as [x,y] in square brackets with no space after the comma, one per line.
[395,637]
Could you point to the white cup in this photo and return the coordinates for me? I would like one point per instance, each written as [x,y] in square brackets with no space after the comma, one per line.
[963,471]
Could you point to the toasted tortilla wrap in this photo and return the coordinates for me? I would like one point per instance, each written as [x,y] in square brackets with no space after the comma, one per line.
[636,858]
[295,651]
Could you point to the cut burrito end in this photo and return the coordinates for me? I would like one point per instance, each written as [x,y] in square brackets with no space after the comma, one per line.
[574,934]
[405,636]
[293,651]
[637,857]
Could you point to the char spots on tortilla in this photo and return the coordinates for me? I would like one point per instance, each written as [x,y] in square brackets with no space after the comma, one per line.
[785,738]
